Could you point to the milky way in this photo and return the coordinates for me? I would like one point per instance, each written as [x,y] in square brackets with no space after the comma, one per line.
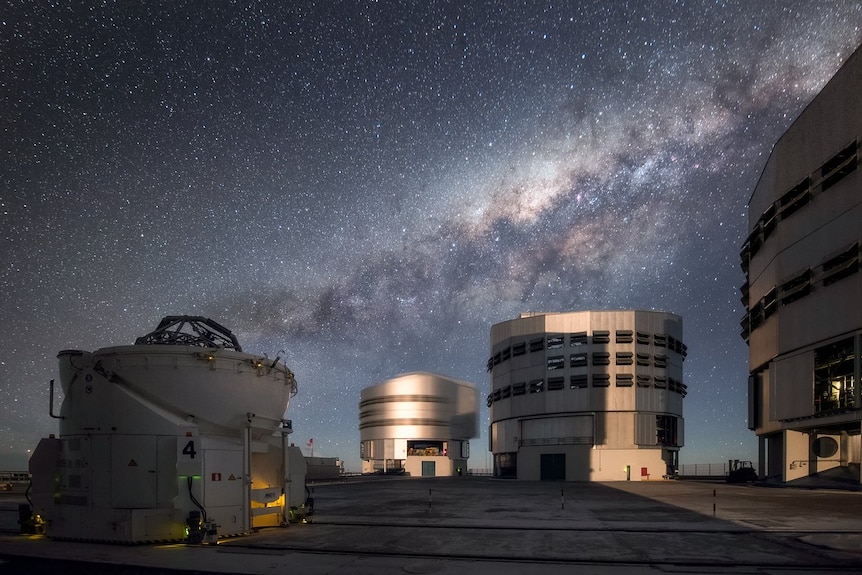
[370,185]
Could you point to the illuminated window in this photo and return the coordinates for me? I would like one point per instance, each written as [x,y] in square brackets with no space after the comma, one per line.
[578,360]
[834,383]
[537,385]
[555,341]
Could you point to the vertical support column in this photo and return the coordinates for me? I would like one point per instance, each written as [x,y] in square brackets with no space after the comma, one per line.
[761,457]
[246,475]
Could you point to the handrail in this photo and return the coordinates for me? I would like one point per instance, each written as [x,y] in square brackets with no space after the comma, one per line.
[51,405]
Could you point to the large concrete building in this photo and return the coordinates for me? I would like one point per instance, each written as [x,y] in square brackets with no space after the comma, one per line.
[417,423]
[803,294]
[590,395]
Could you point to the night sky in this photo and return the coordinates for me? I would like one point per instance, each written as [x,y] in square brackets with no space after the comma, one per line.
[369,186]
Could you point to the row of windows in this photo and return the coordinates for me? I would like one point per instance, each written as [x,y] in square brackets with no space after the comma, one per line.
[582,381]
[578,339]
[835,268]
[826,176]
[604,358]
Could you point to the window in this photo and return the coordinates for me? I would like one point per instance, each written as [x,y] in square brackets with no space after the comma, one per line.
[666,430]
[794,199]
[601,336]
[796,287]
[579,338]
[838,166]
[507,353]
[661,382]
[556,362]
[660,361]
[519,349]
[519,388]
[537,344]
[643,338]
[578,381]
[660,340]
[756,316]
[507,392]
[624,358]
[677,386]
[643,380]
[624,336]
[536,385]
[601,358]
[601,380]
[624,380]
[841,266]
[555,341]
[555,383]
[769,303]
[427,448]
[578,360]
[745,324]
[834,383]
[643,359]
[768,220]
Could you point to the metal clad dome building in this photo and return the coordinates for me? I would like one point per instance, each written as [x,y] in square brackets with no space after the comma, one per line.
[417,423]
[587,396]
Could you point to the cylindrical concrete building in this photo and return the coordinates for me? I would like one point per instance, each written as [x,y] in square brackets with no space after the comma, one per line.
[419,424]
[587,396]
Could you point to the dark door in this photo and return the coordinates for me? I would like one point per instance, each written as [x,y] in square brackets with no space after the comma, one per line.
[553,467]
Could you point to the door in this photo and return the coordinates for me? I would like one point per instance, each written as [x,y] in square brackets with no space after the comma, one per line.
[429,469]
[553,467]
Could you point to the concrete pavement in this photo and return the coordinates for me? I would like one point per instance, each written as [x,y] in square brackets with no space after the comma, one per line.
[484,525]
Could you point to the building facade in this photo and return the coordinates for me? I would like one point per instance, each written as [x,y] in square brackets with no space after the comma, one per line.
[803,292]
[419,424]
[587,396]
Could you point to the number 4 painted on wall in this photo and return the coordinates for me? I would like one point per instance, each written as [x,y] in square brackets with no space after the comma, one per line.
[189,449]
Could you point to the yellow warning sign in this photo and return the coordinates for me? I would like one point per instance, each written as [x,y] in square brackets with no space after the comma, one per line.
[133,463]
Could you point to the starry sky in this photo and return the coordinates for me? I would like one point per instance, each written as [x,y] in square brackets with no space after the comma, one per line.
[370,185]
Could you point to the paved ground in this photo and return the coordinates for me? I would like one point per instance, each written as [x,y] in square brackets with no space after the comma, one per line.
[483,525]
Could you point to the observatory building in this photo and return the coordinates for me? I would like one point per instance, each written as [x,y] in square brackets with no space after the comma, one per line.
[803,291]
[587,396]
[417,423]
[178,437]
